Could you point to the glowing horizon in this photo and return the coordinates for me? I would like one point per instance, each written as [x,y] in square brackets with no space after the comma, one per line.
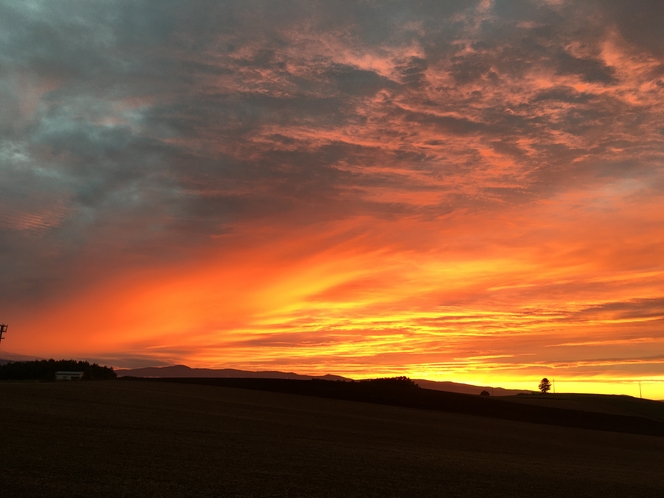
[467,191]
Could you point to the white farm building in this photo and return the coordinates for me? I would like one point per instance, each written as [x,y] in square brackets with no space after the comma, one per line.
[68,375]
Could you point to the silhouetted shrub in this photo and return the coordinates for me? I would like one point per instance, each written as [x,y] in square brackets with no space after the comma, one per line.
[485,393]
[393,382]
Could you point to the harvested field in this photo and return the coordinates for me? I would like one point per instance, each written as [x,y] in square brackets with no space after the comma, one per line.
[132,438]
[599,412]
[597,403]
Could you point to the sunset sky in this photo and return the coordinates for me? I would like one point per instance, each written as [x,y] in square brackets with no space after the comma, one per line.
[451,190]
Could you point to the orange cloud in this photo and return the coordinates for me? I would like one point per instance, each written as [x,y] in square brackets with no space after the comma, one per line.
[443,191]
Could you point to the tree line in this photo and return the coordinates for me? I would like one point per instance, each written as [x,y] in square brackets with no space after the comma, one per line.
[45,370]
[398,382]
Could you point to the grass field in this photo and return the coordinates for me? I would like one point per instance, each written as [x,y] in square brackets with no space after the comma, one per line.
[599,403]
[599,412]
[132,438]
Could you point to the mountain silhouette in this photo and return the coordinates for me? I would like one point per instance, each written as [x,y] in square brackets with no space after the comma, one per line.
[183,371]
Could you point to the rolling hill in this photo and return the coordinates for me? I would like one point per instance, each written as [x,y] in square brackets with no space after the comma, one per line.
[183,371]
[126,438]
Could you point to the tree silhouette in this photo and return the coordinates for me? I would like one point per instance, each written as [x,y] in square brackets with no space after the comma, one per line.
[545,385]
[45,370]
[485,393]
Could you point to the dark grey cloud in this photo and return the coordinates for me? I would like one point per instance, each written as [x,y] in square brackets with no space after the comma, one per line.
[358,81]
[133,130]
[413,72]
[563,94]
[591,70]
[624,310]
[638,21]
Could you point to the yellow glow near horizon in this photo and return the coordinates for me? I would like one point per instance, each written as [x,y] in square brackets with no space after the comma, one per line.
[332,304]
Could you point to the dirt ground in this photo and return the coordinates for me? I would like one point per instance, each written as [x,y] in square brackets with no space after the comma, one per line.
[124,438]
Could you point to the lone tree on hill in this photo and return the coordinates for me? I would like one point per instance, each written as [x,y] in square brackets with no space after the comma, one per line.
[545,385]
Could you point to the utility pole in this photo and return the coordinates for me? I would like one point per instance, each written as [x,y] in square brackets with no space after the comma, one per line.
[3,329]
[554,386]
[640,395]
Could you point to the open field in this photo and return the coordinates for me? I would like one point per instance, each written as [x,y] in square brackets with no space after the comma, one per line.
[599,403]
[610,413]
[133,438]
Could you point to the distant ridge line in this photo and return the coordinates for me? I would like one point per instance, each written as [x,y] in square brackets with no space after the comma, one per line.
[183,371]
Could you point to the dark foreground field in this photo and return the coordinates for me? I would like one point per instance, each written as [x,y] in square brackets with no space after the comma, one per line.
[581,411]
[133,438]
